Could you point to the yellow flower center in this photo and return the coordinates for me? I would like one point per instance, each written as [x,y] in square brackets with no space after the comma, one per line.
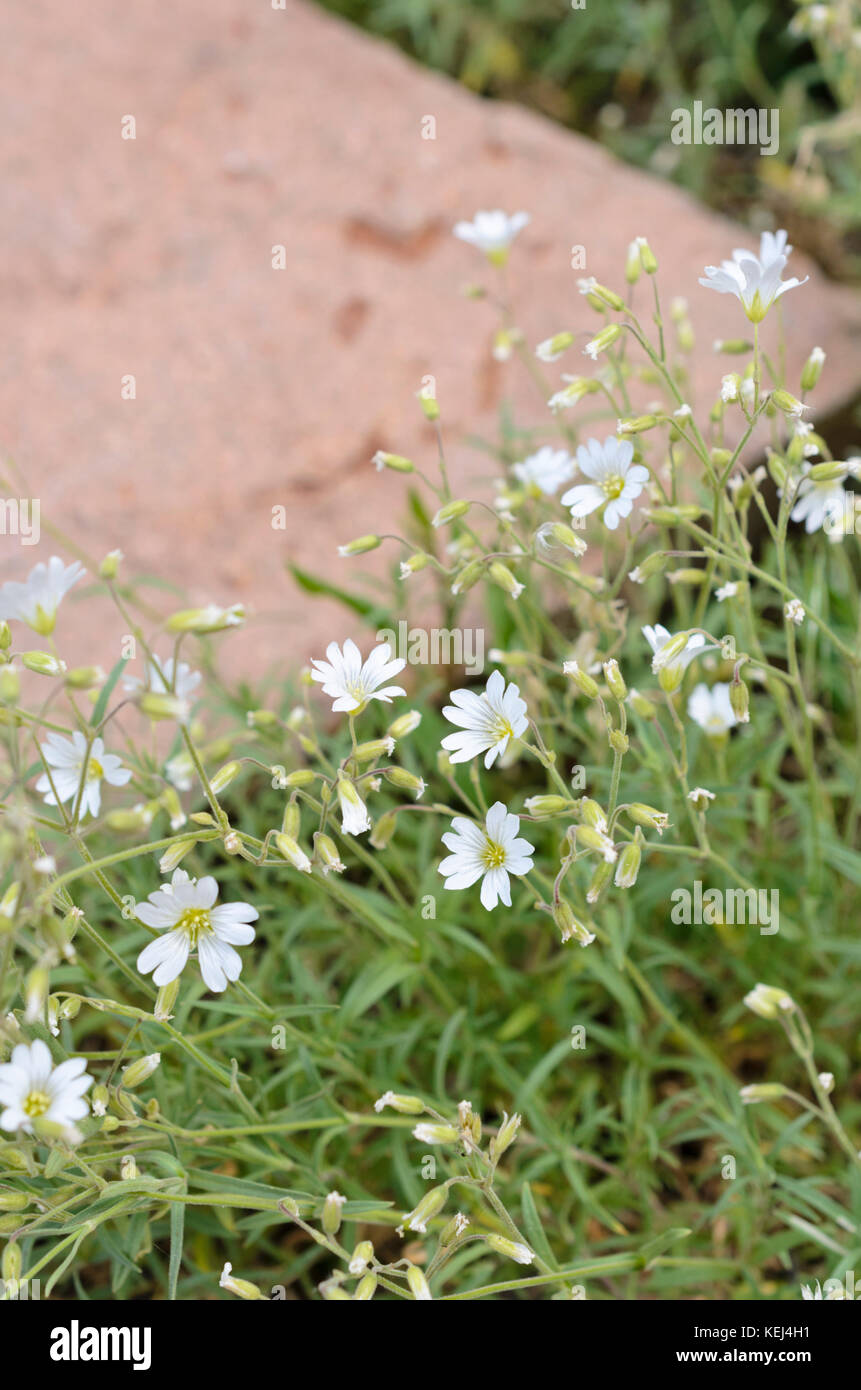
[94,770]
[494,855]
[613,486]
[36,1104]
[195,922]
[502,728]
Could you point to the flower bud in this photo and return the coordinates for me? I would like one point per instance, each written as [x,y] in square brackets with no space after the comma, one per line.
[739,698]
[333,1293]
[505,1136]
[11,1264]
[360,1257]
[512,1249]
[826,1081]
[584,682]
[404,724]
[435,1134]
[365,1289]
[647,256]
[331,1218]
[360,546]
[628,866]
[641,706]
[590,838]
[603,340]
[326,853]
[5,636]
[753,1095]
[407,781]
[633,264]
[224,776]
[141,1070]
[789,404]
[405,1105]
[384,829]
[290,850]
[165,1001]
[812,369]
[110,564]
[450,512]
[552,348]
[99,1098]
[734,346]
[505,580]
[618,741]
[241,1287]
[615,682]
[9,906]
[13,1201]
[638,424]
[429,404]
[10,685]
[648,816]
[419,1287]
[175,854]
[431,1203]
[550,805]
[769,1002]
[467,577]
[36,994]
[832,472]
[205,620]
[569,925]
[396,462]
[43,663]
[374,749]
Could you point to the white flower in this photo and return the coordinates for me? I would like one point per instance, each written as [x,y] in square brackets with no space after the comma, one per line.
[726,591]
[492,232]
[185,911]
[819,504]
[35,602]
[546,470]
[487,720]
[353,683]
[754,280]
[354,813]
[794,611]
[658,638]
[490,852]
[32,1088]
[616,482]
[66,758]
[711,709]
[701,796]
[165,677]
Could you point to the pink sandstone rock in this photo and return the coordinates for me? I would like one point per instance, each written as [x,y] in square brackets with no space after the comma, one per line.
[256,387]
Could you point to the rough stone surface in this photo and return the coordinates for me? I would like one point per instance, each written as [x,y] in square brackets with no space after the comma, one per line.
[258,387]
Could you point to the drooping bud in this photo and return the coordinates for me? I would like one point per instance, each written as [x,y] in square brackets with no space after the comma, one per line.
[292,851]
[648,816]
[451,511]
[430,1205]
[512,1249]
[769,1002]
[141,1070]
[505,580]
[545,806]
[360,546]
[407,781]
[739,698]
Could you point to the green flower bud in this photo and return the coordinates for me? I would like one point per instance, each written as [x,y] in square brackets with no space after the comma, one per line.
[290,850]
[372,750]
[383,830]
[467,577]
[769,1002]
[451,512]
[739,698]
[141,1070]
[505,580]
[363,1253]
[753,1095]
[43,663]
[360,546]
[11,1265]
[10,685]
[225,775]
[648,816]
[175,853]
[165,1001]
[430,1205]
[365,1289]
[549,805]
[205,620]
[812,369]
[615,682]
[405,1105]
[419,1287]
[628,866]
[505,1136]
[583,681]
[396,462]
[512,1249]
[404,724]
[407,781]
[326,853]
[110,565]
[331,1218]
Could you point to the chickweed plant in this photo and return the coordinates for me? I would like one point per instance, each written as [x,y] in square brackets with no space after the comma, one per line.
[388,981]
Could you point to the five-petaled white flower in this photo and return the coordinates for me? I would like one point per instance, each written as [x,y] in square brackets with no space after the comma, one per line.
[66,758]
[487,721]
[489,852]
[754,280]
[545,471]
[711,709]
[353,683]
[492,232]
[659,640]
[616,481]
[819,505]
[32,1088]
[185,911]
[35,602]
[164,677]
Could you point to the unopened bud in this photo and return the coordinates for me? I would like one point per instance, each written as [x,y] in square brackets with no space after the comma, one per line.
[512,1249]
[165,1001]
[374,749]
[546,806]
[360,546]
[768,1090]
[812,369]
[331,1218]
[141,1070]
[407,781]
[647,256]
[241,1287]
[739,698]
[290,850]
[583,681]
[769,1002]
[430,1205]
[43,663]
[225,775]
[175,854]
[326,853]
[435,1134]
[628,866]
[615,682]
[36,994]
[648,816]
[396,462]
[505,580]
[450,512]
[590,838]
[505,1136]
[366,1288]
[110,564]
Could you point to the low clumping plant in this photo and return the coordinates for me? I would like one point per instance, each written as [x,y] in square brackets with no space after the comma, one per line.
[286,973]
